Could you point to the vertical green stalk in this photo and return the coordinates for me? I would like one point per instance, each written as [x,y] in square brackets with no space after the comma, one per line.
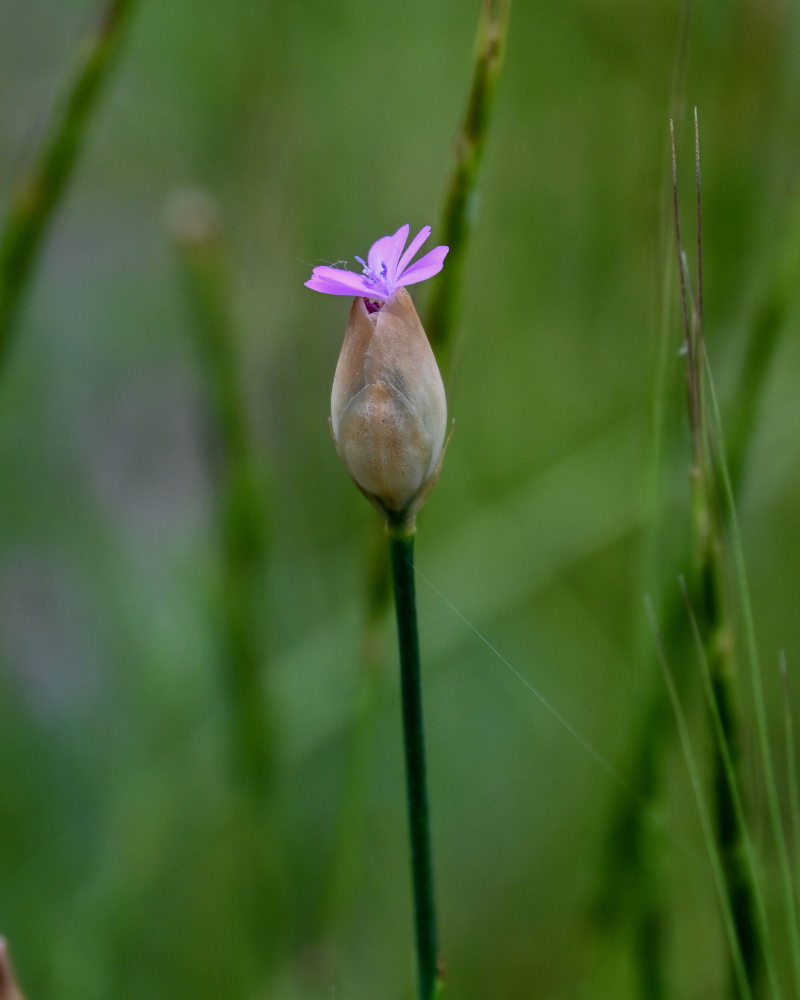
[240,497]
[791,773]
[629,862]
[357,752]
[768,322]
[762,729]
[741,981]
[460,201]
[36,195]
[714,617]
[238,611]
[731,773]
[401,546]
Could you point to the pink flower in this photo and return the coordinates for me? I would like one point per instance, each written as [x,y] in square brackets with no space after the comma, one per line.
[387,268]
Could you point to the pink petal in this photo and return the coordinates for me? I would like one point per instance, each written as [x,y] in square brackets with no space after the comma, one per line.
[425,267]
[387,250]
[415,244]
[335,281]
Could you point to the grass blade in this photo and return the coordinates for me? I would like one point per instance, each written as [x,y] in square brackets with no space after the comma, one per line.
[757,683]
[703,811]
[38,192]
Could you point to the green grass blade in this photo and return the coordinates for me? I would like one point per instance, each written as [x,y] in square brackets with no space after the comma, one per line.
[740,574]
[724,750]
[38,192]
[703,811]
[459,208]
[791,767]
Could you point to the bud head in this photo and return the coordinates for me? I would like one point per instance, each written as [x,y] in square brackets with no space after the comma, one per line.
[388,407]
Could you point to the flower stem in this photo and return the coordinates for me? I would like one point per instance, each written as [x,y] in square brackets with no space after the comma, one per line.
[457,217]
[38,192]
[402,552]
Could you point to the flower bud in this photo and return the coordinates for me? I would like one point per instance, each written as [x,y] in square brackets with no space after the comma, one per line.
[388,408]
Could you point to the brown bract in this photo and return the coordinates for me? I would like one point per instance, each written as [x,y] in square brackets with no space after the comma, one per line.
[388,408]
[8,985]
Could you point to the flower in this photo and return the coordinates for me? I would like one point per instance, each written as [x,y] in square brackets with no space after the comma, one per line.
[388,407]
[387,268]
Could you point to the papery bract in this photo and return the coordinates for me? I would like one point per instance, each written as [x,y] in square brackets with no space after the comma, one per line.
[388,407]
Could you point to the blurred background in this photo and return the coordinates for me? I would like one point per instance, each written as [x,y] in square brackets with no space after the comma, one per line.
[151,842]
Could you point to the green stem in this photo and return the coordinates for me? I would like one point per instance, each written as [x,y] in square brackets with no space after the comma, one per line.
[766,327]
[241,503]
[715,631]
[402,551]
[635,868]
[459,208]
[238,610]
[741,982]
[38,192]
[728,771]
[714,621]
[457,216]
[791,772]
[358,750]
[773,800]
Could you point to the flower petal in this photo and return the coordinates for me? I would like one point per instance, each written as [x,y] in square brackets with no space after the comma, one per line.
[425,267]
[387,250]
[413,246]
[336,281]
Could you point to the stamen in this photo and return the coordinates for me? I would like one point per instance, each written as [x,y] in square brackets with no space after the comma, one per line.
[376,278]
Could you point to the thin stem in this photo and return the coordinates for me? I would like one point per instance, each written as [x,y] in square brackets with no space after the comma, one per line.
[347,848]
[402,551]
[720,881]
[766,326]
[241,505]
[762,728]
[791,768]
[763,336]
[714,620]
[38,192]
[238,609]
[457,217]
[491,33]
[460,202]
[749,875]
[688,340]
[699,226]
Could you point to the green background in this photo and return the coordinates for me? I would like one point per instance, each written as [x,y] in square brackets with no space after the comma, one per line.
[126,864]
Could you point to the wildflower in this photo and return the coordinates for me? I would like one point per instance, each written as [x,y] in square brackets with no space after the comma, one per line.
[388,407]
[387,268]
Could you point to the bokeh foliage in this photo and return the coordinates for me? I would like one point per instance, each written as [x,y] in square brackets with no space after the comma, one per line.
[127,863]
